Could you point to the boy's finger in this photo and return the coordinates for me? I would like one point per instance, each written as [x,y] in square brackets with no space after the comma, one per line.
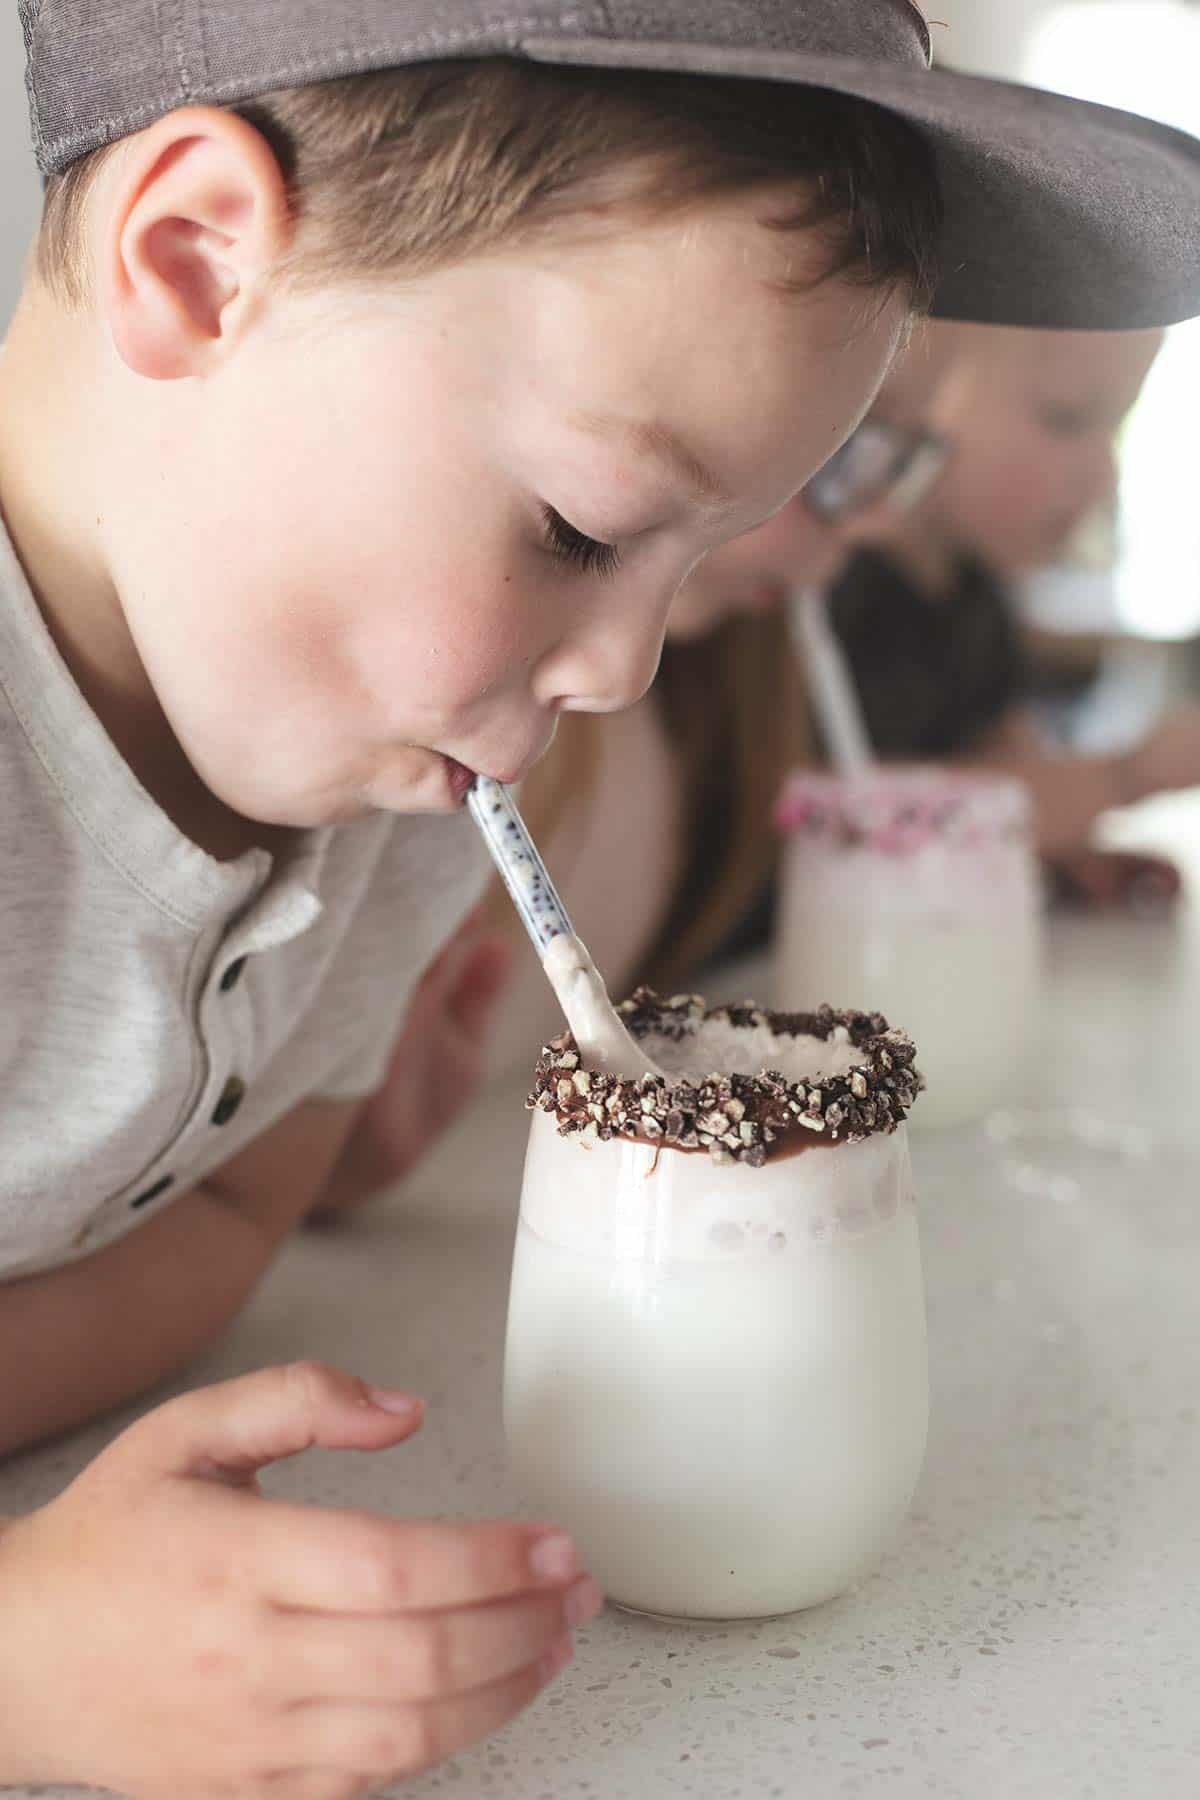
[240,1426]
[403,1740]
[321,1560]
[303,1784]
[420,1656]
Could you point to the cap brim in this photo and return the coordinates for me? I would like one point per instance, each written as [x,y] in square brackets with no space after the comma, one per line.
[1059,213]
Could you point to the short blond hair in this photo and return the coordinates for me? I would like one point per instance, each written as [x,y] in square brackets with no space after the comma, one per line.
[404,170]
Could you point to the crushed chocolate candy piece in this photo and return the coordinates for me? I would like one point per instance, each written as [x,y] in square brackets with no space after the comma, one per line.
[743,1118]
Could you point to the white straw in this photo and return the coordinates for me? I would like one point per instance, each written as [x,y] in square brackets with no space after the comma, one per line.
[830,683]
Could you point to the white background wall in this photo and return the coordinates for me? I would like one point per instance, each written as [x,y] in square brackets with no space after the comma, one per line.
[986,37]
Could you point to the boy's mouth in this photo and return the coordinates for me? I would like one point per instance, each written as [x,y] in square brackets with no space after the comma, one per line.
[460,779]
[459,776]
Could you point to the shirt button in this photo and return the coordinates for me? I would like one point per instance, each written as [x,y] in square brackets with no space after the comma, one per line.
[232,975]
[152,1193]
[232,1095]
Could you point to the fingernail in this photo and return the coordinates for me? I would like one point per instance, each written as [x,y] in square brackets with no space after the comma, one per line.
[393,1400]
[583,1601]
[554,1558]
[556,1658]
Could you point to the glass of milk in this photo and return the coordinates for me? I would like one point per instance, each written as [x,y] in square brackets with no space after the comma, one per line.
[918,889]
[715,1373]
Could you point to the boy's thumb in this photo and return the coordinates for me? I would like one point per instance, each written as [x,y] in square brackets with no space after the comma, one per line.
[239,1426]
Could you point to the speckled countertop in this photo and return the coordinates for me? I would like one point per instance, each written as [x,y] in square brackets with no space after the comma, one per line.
[1033,1635]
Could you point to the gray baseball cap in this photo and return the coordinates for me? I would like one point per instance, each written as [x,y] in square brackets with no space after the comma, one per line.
[1057,213]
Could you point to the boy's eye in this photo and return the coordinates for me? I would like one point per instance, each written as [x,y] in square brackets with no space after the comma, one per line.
[584,553]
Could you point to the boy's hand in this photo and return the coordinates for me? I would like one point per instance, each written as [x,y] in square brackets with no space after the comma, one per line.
[168,1632]
[435,1069]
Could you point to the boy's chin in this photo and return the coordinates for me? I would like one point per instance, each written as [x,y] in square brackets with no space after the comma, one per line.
[419,781]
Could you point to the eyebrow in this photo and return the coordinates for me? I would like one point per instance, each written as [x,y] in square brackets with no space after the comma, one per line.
[652,438]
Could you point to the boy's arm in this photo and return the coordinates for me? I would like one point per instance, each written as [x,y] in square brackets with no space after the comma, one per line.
[81,1339]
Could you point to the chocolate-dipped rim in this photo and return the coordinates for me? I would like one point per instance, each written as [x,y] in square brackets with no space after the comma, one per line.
[739,1118]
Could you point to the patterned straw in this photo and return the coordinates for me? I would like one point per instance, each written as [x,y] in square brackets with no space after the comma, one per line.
[600,1033]
[520,864]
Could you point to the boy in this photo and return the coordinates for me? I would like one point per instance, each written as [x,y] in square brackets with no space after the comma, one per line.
[350,433]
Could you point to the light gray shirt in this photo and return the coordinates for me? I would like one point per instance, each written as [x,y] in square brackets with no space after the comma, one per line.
[160,1009]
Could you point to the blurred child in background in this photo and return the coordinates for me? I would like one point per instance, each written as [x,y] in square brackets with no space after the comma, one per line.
[986,451]
[925,614]
[665,847]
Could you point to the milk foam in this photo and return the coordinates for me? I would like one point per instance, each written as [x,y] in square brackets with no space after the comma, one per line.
[719,1047]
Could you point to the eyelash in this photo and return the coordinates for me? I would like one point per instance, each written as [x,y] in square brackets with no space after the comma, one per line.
[584,553]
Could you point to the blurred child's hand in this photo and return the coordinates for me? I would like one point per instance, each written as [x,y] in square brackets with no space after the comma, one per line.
[168,1632]
[1169,758]
[435,1069]
[1097,878]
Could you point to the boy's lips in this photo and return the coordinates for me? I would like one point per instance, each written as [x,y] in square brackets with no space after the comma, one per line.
[460,777]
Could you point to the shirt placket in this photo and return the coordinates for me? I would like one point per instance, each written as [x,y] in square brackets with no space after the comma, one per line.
[227,1022]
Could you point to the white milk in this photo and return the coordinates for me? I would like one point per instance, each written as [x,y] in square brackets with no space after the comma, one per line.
[942,932]
[716,1375]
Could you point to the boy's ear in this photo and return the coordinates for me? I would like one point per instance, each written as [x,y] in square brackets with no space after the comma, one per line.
[197,214]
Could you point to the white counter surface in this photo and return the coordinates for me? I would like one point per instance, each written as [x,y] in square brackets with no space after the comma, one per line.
[1035,1633]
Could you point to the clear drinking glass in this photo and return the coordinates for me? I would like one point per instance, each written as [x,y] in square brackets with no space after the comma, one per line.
[917,890]
[716,1373]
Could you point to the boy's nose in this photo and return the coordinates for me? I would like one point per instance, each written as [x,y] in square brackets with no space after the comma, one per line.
[605,666]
